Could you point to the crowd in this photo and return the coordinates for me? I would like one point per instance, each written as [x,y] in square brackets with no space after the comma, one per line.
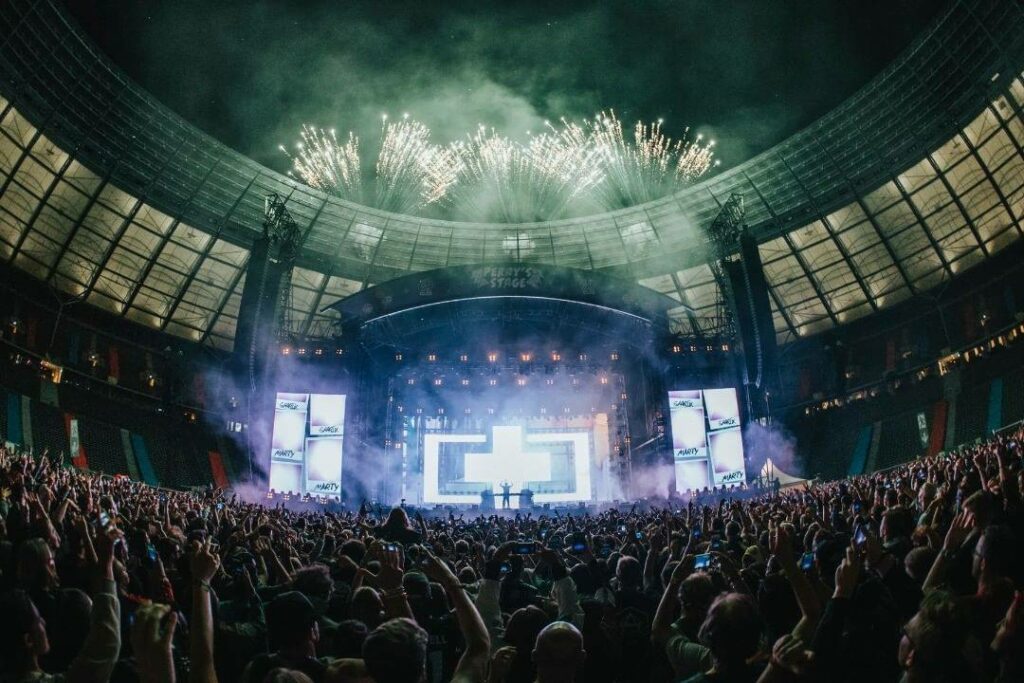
[910,574]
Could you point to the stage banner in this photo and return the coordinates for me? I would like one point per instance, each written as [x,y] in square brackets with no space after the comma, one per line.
[723,408]
[327,415]
[285,477]
[289,436]
[686,411]
[297,403]
[692,475]
[323,466]
[727,456]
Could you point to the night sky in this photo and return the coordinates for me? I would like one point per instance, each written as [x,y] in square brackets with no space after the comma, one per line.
[746,73]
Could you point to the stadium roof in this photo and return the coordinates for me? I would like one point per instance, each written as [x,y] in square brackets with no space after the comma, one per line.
[106,193]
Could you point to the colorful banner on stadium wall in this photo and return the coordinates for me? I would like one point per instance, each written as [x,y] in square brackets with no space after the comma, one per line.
[76,449]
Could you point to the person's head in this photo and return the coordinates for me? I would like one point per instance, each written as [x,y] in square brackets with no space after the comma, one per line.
[313,581]
[982,505]
[732,630]
[558,652]
[696,593]
[396,652]
[932,643]
[896,524]
[397,519]
[918,562]
[36,568]
[354,549]
[291,623]
[349,637]
[22,633]
[68,634]
[282,675]
[994,553]
[629,572]
[367,606]
[523,627]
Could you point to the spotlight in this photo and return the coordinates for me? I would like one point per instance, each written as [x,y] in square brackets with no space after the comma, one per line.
[398,357]
[492,358]
[432,357]
[556,357]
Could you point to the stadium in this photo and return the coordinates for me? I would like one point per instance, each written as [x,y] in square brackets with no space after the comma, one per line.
[536,443]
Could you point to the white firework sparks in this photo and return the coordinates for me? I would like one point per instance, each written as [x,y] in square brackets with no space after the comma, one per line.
[324,163]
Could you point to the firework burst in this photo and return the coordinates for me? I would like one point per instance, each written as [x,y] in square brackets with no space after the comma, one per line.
[322,162]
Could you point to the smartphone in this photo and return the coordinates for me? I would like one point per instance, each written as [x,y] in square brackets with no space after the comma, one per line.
[856,506]
[622,528]
[696,534]
[220,506]
[151,553]
[579,543]
[104,521]
[807,562]
[525,549]
[702,561]
[604,551]
[391,548]
[860,536]
[716,544]
[505,568]
[639,535]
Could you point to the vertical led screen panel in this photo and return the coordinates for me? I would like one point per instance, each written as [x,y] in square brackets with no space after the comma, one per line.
[307,444]
[707,443]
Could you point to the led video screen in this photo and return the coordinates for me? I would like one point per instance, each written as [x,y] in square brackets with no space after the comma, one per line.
[707,442]
[307,443]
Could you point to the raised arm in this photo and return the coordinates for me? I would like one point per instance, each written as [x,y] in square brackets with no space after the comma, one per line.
[204,564]
[472,666]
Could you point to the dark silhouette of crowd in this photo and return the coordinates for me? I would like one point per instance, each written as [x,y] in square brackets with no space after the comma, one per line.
[909,574]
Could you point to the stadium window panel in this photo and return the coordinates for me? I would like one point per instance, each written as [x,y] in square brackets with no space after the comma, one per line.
[82,178]
[858,237]
[307,279]
[882,198]
[102,221]
[1017,91]
[191,315]
[703,295]
[1002,240]
[945,221]
[854,312]
[662,283]
[48,154]
[967,260]
[76,270]
[884,281]
[89,245]
[834,277]
[30,265]
[982,126]
[783,270]
[1016,127]
[143,318]
[153,220]
[993,223]
[20,202]
[1010,176]
[125,263]
[100,300]
[40,248]
[964,175]
[931,197]
[872,259]
[232,304]
[910,241]
[164,280]
[895,218]
[846,217]
[117,200]
[221,343]
[821,255]
[808,235]
[979,199]
[229,253]
[998,149]
[340,287]
[140,240]
[9,154]
[956,245]
[694,276]
[303,299]
[773,250]
[34,176]
[639,239]
[931,279]
[54,225]
[918,175]
[65,198]
[18,127]
[921,263]
[950,153]
[204,295]
[113,286]
[153,301]
[225,326]
[178,257]
[794,292]
[190,237]
[895,296]
[183,331]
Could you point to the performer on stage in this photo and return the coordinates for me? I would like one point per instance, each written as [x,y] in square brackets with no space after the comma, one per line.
[506,495]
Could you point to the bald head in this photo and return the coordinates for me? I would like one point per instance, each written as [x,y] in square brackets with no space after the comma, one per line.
[559,649]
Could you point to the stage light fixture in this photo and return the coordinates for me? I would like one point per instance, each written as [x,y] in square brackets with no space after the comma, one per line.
[465,382]
[493,382]
[464,358]
[398,357]
[438,381]
[614,356]
[583,356]
[318,352]
[604,380]
[549,381]
[302,351]
[286,350]
[677,348]
[556,357]
[411,380]
[525,357]
[521,381]
[492,358]
[432,357]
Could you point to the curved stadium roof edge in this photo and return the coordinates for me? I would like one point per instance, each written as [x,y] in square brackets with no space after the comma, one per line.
[914,178]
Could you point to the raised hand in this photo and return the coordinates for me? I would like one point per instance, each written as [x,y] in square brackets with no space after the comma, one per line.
[151,637]
[847,573]
[204,562]
[958,531]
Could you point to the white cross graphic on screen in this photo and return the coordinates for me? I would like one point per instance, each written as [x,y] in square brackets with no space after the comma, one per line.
[508,462]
